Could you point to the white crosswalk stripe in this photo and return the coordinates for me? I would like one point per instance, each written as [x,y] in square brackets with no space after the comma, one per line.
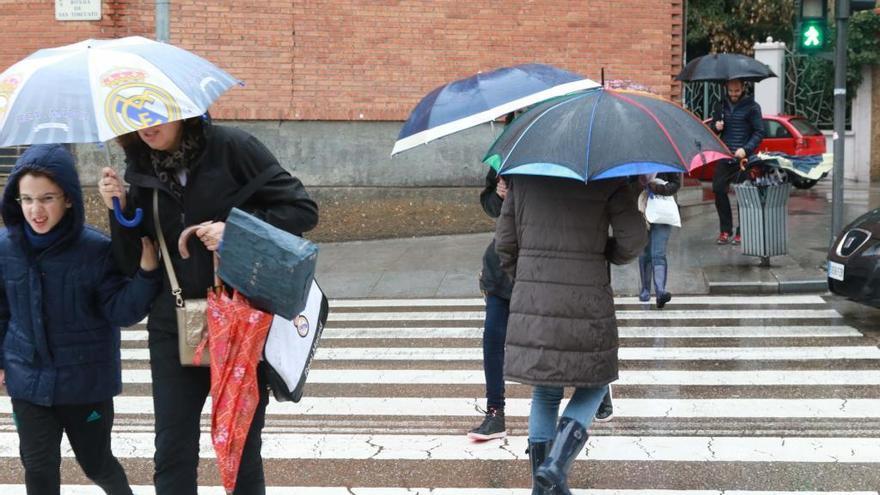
[790,393]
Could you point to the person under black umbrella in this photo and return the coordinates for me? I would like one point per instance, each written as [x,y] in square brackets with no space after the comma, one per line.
[738,119]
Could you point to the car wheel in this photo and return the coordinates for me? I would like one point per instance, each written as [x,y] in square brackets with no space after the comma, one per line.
[801,183]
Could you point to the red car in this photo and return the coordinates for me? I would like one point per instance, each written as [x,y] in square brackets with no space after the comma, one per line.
[789,134]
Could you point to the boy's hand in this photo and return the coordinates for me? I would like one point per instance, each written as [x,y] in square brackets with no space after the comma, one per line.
[149,255]
[110,186]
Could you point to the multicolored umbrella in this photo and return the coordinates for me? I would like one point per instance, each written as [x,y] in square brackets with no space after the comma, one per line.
[483,98]
[721,67]
[603,133]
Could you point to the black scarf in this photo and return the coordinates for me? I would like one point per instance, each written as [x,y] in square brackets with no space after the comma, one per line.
[168,166]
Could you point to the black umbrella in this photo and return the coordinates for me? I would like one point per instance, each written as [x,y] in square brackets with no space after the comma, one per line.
[602,133]
[721,67]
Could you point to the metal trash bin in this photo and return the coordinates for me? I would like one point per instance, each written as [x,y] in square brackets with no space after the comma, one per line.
[763,217]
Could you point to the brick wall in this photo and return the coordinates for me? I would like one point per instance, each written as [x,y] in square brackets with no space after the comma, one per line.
[373,59]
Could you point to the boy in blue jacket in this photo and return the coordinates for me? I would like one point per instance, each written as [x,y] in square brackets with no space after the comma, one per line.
[62,302]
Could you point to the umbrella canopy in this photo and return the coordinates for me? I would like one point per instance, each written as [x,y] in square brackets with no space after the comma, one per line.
[602,133]
[720,67]
[483,98]
[96,90]
[236,336]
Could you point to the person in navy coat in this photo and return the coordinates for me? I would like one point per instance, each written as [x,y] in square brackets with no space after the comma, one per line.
[62,301]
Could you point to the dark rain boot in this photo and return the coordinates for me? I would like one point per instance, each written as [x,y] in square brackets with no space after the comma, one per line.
[537,454]
[663,297]
[571,437]
[645,277]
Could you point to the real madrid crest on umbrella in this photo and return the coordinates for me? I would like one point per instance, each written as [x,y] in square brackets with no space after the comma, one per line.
[95,90]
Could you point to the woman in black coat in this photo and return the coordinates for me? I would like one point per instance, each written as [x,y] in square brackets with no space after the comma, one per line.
[197,169]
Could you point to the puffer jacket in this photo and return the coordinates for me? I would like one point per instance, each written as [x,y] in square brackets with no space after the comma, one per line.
[61,307]
[743,124]
[552,238]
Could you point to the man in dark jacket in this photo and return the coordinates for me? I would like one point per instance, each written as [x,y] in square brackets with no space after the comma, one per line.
[62,301]
[742,129]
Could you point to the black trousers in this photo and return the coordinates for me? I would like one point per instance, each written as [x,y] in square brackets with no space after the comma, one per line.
[179,393]
[726,172]
[88,431]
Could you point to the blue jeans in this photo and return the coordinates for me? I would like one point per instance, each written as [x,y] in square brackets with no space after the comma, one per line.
[545,408]
[494,335]
[655,251]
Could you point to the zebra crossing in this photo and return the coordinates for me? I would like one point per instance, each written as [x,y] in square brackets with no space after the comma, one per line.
[717,395]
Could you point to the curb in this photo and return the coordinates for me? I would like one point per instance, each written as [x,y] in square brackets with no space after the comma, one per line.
[787,287]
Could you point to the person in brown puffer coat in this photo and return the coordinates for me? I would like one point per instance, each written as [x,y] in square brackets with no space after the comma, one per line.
[553,241]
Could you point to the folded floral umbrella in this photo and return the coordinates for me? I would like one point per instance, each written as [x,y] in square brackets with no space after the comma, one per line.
[604,133]
[236,336]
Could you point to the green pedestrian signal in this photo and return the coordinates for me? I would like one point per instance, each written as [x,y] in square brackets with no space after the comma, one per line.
[812,35]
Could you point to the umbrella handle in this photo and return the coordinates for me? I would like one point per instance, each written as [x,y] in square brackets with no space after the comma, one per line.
[117,212]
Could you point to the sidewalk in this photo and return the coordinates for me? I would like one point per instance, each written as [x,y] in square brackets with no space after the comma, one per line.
[448,266]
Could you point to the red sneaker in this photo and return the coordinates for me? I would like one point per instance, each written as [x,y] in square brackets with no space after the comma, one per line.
[737,239]
[723,238]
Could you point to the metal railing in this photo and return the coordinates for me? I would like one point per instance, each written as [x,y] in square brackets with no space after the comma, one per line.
[702,97]
[809,89]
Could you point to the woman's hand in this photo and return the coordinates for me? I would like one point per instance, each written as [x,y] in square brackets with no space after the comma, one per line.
[149,255]
[211,234]
[501,188]
[110,186]
[2,378]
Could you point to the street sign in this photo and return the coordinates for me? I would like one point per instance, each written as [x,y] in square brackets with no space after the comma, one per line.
[78,10]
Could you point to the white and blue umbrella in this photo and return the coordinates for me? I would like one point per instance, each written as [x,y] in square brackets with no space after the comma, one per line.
[482,98]
[95,90]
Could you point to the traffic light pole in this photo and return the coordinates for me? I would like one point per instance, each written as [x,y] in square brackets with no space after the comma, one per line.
[841,16]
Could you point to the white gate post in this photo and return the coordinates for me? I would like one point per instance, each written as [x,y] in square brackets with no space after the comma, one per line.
[768,93]
[861,128]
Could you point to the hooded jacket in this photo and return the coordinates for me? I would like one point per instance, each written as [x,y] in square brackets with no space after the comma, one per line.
[61,307]
[230,160]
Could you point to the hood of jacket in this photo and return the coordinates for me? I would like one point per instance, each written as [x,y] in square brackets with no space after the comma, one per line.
[57,162]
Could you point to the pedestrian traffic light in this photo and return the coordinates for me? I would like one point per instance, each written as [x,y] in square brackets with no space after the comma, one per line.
[812,35]
[812,26]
